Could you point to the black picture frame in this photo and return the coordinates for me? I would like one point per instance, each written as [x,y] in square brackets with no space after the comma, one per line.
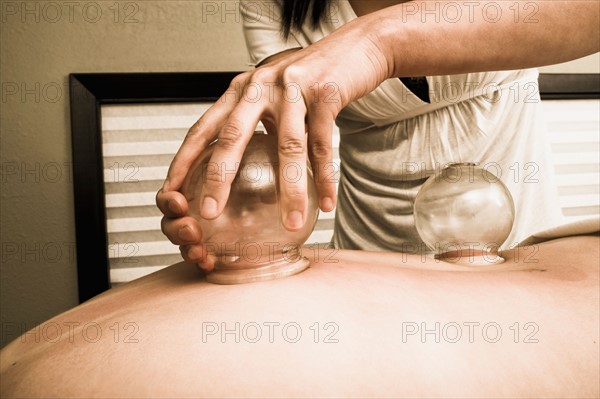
[89,91]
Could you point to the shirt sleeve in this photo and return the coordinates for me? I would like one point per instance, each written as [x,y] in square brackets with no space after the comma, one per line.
[262,32]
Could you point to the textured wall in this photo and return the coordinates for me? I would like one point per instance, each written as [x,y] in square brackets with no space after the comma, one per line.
[41,43]
[39,48]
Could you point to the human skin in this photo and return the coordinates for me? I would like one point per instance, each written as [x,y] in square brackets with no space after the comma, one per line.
[167,345]
[378,45]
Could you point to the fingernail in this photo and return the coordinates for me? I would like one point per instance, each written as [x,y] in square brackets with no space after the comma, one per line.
[186,234]
[166,184]
[174,206]
[209,208]
[326,204]
[293,220]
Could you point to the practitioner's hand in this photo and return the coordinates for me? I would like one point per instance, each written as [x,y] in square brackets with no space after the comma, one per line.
[183,230]
[297,97]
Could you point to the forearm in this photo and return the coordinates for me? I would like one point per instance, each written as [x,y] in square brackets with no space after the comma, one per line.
[447,37]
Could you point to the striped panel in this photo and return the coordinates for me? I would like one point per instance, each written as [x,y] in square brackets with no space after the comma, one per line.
[574,129]
[139,142]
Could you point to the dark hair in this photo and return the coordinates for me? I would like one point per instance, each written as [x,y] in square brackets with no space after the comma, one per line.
[295,12]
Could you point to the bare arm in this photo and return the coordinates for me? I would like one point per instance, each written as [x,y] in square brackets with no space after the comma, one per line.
[483,36]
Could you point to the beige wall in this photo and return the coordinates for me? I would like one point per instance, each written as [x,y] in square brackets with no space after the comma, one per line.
[38,50]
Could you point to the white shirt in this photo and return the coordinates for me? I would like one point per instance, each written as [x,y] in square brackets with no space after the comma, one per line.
[391,141]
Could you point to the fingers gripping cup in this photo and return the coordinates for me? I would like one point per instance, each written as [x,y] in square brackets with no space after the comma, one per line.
[464,214]
[248,238]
